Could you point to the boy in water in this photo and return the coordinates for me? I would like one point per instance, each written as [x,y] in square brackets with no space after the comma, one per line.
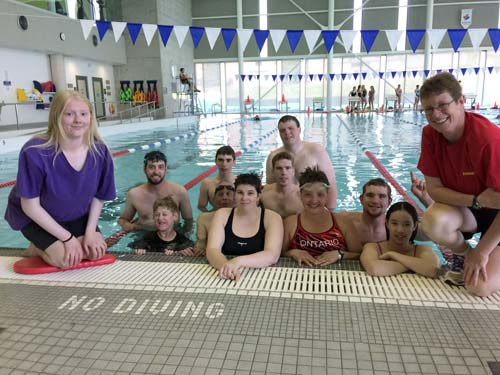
[165,239]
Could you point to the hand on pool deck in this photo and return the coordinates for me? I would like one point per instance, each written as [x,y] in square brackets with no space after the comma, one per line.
[302,256]
[230,270]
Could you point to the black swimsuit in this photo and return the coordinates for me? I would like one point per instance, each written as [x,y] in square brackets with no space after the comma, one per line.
[235,245]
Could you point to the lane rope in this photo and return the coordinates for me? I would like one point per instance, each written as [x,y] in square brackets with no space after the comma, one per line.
[383,171]
[115,237]
[149,146]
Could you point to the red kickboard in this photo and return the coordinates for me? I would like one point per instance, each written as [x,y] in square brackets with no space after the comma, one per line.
[36,265]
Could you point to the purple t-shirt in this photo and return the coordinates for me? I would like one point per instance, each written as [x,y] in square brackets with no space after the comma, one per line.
[64,193]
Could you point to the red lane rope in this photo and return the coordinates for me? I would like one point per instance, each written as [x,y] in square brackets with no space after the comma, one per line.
[384,172]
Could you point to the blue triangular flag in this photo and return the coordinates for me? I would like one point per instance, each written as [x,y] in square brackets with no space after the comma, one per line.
[414,73]
[250,76]
[463,70]
[404,73]
[393,74]
[320,76]
[476,70]
[260,37]
[165,32]
[439,70]
[415,37]
[456,37]
[363,75]
[102,27]
[134,29]
[355,75]
[196,34]
[495,38]
[300,76]
[331,76]
[426,72]
[450,70]
[311,77]
[274,77]
[369,37]
[293,37]
[282,77]
[242,77]
[490,69]
[228,36]
[329,37]
[381,74]
[343,75]
[257,76]
[290,76]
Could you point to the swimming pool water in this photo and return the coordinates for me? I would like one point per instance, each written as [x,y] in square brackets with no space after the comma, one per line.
[393,138]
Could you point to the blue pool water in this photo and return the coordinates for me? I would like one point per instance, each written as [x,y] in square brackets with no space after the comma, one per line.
[394,139]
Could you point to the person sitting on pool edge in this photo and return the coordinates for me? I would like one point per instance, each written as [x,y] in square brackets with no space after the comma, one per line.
[316,236]
[249,232]
[140,199]
[223,197]
[164,239]
[283,196]
[398,253]
[225,159]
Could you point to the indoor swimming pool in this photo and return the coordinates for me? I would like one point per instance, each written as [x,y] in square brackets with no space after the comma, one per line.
[394,139]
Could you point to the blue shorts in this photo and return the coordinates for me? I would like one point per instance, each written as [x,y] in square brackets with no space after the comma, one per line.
[484,217]
[43,239]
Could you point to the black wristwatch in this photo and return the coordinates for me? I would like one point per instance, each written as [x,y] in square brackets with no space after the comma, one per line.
[340,256]
[475,203]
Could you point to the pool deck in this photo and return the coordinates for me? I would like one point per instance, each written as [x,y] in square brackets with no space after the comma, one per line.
[171,315]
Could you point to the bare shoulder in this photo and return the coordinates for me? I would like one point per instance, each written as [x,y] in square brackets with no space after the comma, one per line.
[136,192]
[176,188]
[423,249]
[290,220]
[314,147]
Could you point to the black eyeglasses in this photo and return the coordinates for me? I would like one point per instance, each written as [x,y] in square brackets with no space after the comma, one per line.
[222,187]
[441,107]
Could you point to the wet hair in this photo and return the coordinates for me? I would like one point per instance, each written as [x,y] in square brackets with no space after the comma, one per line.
[402,206]
[283,155]
[225,150]
[287,118]
[311,175]
[440,83]
[249,179]
[154,157]
[168,203]
[378,182]
[55,134]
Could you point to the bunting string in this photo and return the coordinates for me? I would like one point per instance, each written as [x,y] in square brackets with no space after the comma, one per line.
[414,37]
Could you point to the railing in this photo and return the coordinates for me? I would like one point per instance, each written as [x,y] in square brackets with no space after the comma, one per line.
[134,111]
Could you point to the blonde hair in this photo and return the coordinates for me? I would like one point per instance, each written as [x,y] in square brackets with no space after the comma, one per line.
[54,134]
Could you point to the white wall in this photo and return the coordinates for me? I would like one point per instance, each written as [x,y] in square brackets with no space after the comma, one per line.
[21,68]
[89,69]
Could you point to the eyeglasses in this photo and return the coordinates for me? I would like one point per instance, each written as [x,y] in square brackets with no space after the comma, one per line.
[222,187]
[441,107]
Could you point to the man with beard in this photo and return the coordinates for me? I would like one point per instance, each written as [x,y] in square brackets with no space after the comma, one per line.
[283,196]
[305,154]
[140,199]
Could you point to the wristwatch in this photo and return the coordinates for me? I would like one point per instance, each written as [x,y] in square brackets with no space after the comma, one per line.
[475,203]
[340,256]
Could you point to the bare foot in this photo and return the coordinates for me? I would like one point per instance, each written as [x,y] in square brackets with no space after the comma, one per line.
[31,251]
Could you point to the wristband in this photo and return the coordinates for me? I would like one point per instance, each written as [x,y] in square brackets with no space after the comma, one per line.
[69,239]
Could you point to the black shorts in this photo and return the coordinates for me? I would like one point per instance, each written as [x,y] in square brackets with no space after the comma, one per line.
[43,239]
[484,217]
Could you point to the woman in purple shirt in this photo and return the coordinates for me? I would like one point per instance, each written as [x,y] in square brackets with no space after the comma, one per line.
[63,179]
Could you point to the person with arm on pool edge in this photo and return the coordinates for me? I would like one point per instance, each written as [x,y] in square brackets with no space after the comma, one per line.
[64,177]
[248,232]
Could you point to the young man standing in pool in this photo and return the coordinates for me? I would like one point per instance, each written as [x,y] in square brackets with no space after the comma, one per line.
[283,196]
[225,159]
[460,158]
[305,154]
[140,199]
